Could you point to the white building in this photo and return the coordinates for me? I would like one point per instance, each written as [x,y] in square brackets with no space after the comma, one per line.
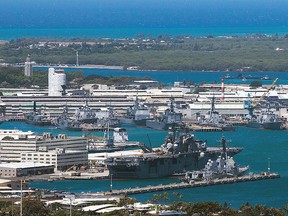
[56,79]
[15,142]
[61,158]
[28,69]
[8,170]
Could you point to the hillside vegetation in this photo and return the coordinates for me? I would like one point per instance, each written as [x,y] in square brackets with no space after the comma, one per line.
[253,53]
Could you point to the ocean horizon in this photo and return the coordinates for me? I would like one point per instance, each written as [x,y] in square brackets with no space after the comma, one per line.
[131,32]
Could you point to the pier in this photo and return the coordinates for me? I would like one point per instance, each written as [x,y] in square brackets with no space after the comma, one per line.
[199,128]
[204,183]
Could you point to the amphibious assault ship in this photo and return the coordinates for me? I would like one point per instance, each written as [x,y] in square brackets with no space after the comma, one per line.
[180,152]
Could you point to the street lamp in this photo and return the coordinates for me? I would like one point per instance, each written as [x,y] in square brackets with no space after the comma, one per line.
[111,182]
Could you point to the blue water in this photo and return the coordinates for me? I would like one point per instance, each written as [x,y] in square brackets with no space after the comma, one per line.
[128,18]
[130,32]
[169,77]
[259,145]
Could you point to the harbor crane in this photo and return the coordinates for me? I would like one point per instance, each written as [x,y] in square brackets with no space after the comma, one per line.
[250,104]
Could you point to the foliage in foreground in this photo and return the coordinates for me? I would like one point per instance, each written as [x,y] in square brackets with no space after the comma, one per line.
[38,208]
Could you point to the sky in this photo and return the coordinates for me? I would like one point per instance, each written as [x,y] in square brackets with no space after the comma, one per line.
[141,13]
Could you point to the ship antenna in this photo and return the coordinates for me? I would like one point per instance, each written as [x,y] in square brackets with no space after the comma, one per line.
[223,141]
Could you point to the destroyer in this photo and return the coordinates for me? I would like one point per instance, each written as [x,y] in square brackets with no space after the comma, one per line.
[137,114]
[180,152]
[214,119]
[266,120]
[37,117]
[164,121]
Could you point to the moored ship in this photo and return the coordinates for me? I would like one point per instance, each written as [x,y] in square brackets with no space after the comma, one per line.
[137,115]
[167,119]
[37,117]
[223,167]
[65,123]
[266,120]
[180,152]
[214,119]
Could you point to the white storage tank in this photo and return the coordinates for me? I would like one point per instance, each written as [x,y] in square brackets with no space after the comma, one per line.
[56,79]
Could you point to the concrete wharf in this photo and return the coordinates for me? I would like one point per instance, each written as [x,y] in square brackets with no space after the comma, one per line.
[200,128]
[204,183]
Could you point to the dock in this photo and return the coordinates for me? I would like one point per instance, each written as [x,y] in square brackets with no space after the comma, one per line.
[202,128]
[204,183]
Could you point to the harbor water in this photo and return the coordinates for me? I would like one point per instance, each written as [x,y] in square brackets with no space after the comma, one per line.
[169,77]
[260,148]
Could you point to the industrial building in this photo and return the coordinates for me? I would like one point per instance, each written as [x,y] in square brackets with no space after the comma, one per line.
[10,170]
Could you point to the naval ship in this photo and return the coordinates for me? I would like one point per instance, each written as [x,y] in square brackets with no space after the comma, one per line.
[137,114]
[223,167]
[164,121]
[180,152]
[37,117]
[214,119]
[266,120]
[65,123]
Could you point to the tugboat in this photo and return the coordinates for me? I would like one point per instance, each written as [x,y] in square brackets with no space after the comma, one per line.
[223,167]
[164,121]
[180,152]
[213,119]
[37,117]
[137,115]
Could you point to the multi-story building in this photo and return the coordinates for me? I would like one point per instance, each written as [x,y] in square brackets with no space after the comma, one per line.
[15,142]
[61,158]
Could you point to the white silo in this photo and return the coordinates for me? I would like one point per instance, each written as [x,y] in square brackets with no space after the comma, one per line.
[56,79]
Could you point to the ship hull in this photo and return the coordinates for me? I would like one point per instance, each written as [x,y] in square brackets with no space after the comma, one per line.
[267,125]
[38,123]
[157,125]
[128,121]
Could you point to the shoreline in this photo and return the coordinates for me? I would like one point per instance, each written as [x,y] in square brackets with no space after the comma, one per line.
[88,66]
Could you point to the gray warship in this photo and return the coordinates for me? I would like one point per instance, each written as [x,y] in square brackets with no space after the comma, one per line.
[137,114]
[180,152]
[85,114]
[223,167]
[214,119]
[65,123]
[164,121]
[37,117]
[266,120]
